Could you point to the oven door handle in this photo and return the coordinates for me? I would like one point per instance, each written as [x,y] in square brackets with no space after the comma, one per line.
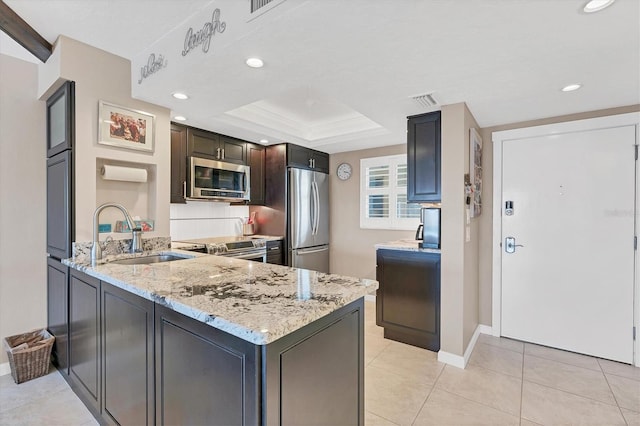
[252,255]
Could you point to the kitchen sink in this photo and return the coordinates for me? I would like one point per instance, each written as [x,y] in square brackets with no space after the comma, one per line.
[154,258]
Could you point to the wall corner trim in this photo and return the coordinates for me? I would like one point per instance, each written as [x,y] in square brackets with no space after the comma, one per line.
[462,361]
[370,298]
[5,369]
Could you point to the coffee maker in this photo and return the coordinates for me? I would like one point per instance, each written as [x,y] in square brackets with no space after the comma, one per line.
[428,233]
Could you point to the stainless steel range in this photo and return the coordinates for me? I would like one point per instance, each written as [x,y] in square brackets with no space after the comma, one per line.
[237,247]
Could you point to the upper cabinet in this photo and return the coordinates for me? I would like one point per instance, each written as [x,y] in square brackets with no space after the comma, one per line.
[178,163]
[423,158]
[215,147]
[256,160]
[306,158]
[61,119]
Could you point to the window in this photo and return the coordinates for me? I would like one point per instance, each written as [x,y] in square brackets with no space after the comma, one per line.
[383,194]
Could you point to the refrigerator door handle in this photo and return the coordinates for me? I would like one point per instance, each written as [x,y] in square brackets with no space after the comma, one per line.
[313,210]
[316,194]
[301,252]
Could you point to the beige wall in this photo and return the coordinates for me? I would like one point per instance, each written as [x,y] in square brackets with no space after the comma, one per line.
[102,76]
[352,249]
[459,275]
[486,224]
[23,279]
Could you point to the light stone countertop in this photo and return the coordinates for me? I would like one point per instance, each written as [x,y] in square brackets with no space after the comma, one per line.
[408,245]
[257,302]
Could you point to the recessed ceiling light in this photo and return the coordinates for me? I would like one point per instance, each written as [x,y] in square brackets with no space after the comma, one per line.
[255,62]
[264,141]
[597,5]
[179,95]
[571,87]
[180,118]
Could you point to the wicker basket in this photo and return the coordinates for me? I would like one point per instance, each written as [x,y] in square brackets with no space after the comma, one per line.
[29,354]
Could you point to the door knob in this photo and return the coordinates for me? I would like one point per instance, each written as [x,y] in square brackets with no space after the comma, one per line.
[510,245]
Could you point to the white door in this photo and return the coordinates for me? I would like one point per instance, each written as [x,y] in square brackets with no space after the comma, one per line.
[569,281]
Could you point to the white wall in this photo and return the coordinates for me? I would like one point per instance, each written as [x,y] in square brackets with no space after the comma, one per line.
[102,76]
[23,264]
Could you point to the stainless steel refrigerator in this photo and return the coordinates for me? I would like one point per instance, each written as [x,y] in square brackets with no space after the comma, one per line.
[308,219]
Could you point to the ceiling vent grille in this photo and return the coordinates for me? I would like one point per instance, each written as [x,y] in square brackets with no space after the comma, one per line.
[427,100]
[257,4]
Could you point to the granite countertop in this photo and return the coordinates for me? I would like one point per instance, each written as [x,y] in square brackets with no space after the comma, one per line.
[409,245]
[257,302]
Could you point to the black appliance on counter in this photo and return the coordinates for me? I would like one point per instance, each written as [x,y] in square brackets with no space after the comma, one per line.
[428,233]
[60,218]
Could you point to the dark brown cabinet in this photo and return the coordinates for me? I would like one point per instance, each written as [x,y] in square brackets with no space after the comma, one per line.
[178,163]
[127,357]
[60,205]
[408,298]
[58,313]
[84,338]
[305,158]
[61,119]
[274,252]
[424,158]
[205,376]
[214,146]
[256,160]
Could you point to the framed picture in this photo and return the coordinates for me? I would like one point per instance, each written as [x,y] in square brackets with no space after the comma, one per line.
[125,128]
[475,171]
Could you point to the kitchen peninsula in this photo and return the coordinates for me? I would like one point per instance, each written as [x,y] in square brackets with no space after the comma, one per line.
[215,340]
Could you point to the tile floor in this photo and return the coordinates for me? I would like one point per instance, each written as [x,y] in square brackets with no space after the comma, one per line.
[506,382]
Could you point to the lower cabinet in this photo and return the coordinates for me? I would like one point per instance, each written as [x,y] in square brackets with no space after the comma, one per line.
[136,362]
[127,357]
[84,338]
[274,252]
[205,376]
[58,312]
[408,297]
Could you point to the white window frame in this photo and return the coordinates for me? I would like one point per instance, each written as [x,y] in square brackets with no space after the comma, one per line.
[391,222]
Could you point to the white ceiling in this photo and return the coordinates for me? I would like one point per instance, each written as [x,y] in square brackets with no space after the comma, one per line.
[339,75]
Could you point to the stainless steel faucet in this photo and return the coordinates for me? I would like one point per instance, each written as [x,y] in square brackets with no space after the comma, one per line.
[136,232]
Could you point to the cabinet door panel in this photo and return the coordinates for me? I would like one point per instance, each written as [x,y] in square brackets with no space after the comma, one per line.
[59,205]
[127,353]
[61,119]
[58,313]
[84,332]
[298,156]
[178,163]
[321,162]
[256,160]
[423,158]
[234,150]
[203,143]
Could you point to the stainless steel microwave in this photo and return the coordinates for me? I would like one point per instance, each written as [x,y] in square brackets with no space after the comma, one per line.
[218,180]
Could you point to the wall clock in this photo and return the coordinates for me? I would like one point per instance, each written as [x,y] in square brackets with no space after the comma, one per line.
[344,171]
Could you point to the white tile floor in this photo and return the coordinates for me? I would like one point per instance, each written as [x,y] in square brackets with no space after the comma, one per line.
[506,382]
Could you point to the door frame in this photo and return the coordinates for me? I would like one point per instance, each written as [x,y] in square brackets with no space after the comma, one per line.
[498,138]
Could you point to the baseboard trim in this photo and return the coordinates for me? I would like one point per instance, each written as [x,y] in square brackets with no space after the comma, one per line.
[461,361]
[5,369]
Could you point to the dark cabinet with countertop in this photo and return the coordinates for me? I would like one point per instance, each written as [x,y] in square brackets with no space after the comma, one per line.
[424,158]
[408,297]
[178,163]
[202,143]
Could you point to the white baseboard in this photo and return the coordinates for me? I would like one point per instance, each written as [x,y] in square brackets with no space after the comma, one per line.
[5,369]
[461,361]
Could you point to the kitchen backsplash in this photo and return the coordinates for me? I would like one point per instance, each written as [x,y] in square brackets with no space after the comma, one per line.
[201,219]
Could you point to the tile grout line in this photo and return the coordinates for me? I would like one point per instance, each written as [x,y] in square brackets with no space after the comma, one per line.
[574,394]
[567,363]
[428,395]
[614,395]
[502,347]
[382,417]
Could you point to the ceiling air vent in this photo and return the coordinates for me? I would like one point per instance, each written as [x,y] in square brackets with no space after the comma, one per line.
[427,100]
[257,4]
